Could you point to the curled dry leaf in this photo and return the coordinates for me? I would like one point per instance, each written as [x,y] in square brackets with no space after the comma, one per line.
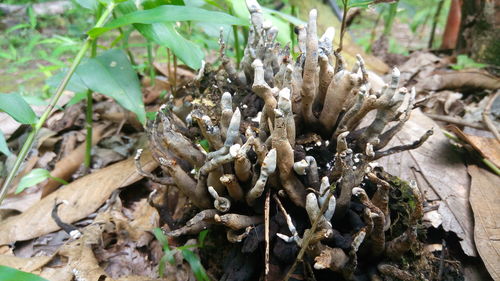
[460,80]
[84,196]
[25,264]
[68,165]
[440,174]
[484,194]
[488,147]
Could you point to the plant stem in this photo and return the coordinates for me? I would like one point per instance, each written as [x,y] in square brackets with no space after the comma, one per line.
[307,239]
[125,35]
[393,9]
[344,23]
[36,127]
[152,73]
[292,31]
[237,45]
[90,106]
[434,23]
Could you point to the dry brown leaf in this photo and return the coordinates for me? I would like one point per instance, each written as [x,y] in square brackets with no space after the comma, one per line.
[84,196]
[25,264]
[68,165]
[182,74]
[438,169]
[484,199]
[489,148]
[459,80]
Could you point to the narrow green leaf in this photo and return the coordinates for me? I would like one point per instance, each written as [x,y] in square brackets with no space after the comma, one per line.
[12,274]
[169,13]
[14,105]
[4,148]
[36,176]
[58,179]
[166,35]
[151,115]
[201,237]
[161,266]
[289,18]
[75,84]
[111,74]
[239,8]
[196,267]
[160,236]
[76,99]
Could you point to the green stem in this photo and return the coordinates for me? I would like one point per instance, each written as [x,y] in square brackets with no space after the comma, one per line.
[125,35]
[393,9]
[152,73]
[292,31]
[344,24]
[237,45]
[434,23]
[90,106]
[36,127]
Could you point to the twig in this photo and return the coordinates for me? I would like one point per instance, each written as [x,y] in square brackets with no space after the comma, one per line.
[266,233]
[441,261]
[457,121]
[307,239]
[486,116]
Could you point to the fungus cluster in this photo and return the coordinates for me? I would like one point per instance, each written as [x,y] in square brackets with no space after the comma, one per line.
[311,149]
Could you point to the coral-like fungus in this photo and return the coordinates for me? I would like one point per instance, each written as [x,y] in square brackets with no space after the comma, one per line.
[312,146]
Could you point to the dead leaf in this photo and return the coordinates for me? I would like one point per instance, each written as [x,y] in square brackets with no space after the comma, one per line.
[459,80]
[84,196]
[25,264]
[71,162]
[182,74]
[484,199]
[438,169]
[489,148]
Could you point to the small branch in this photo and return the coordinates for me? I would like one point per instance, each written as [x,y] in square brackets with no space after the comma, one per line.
[486,116]
[457,121]
[266,234]
[307,239]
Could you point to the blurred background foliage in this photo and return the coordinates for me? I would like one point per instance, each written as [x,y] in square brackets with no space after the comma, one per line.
[35,47]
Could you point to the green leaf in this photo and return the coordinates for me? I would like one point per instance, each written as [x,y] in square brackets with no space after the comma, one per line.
[150,4]
[463,61]
[205,145]
[151,115]
[12,274]
[36,176]
[196,267]
[201,237]
[75,84]
[289,18]
[111,74]
[88,4]
[161,265]
[239,8]
[76,99]
[14,105]
[4,148]
[359,3]
[160,236]
[166,35]
[168,13]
